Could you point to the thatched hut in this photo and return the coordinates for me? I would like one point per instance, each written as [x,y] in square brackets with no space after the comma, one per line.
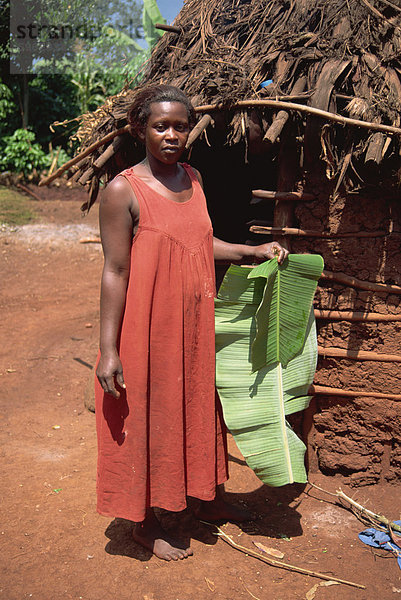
[299,138]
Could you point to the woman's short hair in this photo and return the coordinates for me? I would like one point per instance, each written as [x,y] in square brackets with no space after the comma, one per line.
[139,111]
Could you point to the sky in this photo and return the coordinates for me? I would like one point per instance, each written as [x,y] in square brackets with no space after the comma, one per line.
[170,9]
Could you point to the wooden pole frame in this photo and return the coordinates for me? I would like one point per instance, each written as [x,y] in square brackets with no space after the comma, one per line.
[331,352]
[273,195]
[302,108]
[107,138]
[337,315]
[369,286]
[263,229]
[330,391]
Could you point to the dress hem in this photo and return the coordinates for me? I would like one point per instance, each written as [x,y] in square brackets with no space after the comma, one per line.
[122,515]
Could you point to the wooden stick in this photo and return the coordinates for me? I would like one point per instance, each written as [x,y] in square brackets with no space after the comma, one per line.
[344,97]
[387,3]
[75,176]
[360,284]
[282,116]
[198,129]
[330,391]
[357,354]
[107,138]
[54,162]
[271,195]
[278,563]
[92,240]
[374,151]
[378,14]
[381,518]
[312,233]
[102,159]
[324,114]
[170,28]
[28,191]
[336,315]
[288,174]
[86,175]
[303,96]
[77,166]
[361,510]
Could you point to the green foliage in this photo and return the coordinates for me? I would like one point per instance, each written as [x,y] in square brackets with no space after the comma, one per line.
[52,98]
[72,81]
[6,101]
[99,65]
[287,287]
[151,16]
[257,322]
[15,209]
[4,35]
[62,157]
[63,29]
[90,88]
[20,153]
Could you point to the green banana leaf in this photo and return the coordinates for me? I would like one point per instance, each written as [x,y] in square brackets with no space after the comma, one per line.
[122,38]
[150,16]
[266,354]
[287,299]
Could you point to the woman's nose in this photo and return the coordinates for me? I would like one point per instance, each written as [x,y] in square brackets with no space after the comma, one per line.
[171,133]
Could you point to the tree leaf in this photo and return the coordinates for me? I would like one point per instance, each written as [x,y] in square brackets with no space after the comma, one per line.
[288,296]
[256,403]
[270,551]
[150,16]
[312,592]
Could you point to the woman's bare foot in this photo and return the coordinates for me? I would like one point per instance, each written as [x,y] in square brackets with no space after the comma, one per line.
[152,536]
[219,510]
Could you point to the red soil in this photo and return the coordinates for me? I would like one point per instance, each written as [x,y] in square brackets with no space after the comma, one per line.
[55,545]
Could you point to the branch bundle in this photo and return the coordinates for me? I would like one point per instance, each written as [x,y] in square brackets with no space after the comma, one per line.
[338,64]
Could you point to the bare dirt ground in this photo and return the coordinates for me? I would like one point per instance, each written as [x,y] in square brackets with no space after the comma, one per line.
[54,544]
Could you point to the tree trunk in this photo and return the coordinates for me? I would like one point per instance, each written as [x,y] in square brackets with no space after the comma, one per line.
[25,101]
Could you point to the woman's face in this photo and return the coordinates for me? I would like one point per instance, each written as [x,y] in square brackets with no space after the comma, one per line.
[166,131]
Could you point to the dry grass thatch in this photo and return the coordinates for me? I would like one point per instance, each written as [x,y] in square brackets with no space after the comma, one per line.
[334,55]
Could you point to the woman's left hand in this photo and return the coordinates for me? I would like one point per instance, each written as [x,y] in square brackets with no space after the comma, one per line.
[271,250]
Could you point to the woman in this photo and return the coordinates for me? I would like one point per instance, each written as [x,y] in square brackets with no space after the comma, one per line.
[160,434]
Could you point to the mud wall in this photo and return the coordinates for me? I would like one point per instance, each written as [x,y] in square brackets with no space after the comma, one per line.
[359,437]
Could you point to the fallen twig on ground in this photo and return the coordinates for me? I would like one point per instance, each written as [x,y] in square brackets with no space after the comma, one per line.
[364,514]
[29,192]
[276,563]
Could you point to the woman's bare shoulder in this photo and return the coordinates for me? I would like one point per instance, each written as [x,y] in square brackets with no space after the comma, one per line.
[118,189]
[119,195]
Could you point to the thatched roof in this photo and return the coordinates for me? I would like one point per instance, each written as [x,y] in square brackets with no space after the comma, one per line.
[334,55]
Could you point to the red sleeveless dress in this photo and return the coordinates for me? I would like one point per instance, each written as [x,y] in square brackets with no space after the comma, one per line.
[163,439]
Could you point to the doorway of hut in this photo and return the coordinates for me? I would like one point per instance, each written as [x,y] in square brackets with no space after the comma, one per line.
[230,174]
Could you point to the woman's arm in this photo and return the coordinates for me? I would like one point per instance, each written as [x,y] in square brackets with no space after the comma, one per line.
[117,214]
[238,253]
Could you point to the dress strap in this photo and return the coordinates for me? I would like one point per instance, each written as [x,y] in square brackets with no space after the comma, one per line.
[196,186]
[140,192]
[190,171]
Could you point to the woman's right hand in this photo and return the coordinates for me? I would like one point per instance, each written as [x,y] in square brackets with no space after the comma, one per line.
[109,371]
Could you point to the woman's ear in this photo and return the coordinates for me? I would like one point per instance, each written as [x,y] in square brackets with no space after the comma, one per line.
[140,133]
[137,132]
